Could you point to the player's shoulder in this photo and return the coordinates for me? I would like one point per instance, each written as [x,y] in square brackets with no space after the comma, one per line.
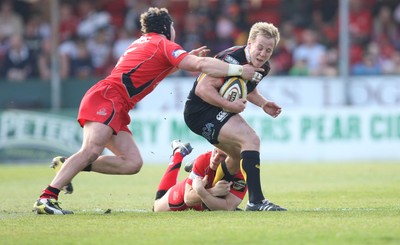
[203,160]
[233,55]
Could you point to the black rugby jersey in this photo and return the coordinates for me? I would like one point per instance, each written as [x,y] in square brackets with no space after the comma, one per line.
[234,55]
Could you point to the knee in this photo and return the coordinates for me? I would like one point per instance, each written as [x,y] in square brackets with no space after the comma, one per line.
[134,166]
[90,155]
[252,141]
[256,140]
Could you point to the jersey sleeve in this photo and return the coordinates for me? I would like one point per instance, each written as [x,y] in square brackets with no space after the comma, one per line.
[199,167]
[239,186]
[174,52]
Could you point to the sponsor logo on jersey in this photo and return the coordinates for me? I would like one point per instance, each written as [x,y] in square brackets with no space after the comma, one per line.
[222,115]
[178,52]
[102,112]
[208,131]
[239,184]
[231,60]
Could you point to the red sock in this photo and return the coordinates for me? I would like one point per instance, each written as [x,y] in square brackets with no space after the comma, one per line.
[170,176]
[50,192]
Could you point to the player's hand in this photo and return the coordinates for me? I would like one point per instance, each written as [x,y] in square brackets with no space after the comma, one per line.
[201,52]
[249,73]
[236,106]
[221,188]
[272,109]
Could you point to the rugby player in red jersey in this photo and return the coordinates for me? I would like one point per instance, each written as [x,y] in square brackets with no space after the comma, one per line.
[219,121]
[103,112]
[198,191]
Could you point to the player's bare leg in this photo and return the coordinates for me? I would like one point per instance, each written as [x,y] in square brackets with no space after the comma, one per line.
[126,159]
[96,136]
[237,130]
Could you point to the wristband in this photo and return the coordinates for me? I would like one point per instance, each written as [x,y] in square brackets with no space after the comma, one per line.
[235,70]
[263,104]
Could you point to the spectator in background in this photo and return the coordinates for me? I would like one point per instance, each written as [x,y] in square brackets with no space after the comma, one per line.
[19,63]
[391,66]
[309,50]
[281,60]
[289,35]
[132,17]
[191,34]
[68,51]
[299,68]
[44,60]
[224,30]
[368,66]
[100,49]
[360,19]
[385,29]
[298,12]
[328,64]
[10,22]
[92,20]
[82,63]
[68,21]
[121,43]
[396,16]
[36,30]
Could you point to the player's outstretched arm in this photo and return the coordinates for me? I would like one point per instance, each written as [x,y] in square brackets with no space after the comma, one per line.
[217,68]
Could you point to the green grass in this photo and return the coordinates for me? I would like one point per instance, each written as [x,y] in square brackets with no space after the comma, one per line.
[346,203]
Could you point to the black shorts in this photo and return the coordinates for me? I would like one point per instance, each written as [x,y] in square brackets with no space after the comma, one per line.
[206,123]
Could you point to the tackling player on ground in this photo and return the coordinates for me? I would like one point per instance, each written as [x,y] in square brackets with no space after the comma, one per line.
[197,191]
[104,109]
[225,128]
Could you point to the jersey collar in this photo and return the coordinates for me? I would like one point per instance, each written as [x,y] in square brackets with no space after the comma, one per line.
[247,53]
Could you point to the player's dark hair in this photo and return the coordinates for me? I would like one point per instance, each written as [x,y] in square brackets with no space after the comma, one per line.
[156,20]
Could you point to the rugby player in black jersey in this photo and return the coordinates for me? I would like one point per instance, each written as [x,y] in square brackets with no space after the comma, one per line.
[225,128]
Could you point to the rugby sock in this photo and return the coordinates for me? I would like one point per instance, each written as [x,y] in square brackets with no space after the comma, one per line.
[222,173]
[50,192]
[170,176]
[250,166]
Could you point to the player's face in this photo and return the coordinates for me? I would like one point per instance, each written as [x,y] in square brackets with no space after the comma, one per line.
[217,157]
[173,33]
[260,50]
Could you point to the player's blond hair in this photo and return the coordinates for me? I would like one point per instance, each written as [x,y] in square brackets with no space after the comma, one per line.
[265,29]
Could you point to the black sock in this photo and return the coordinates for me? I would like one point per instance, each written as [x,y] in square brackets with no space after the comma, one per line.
[250,165]
[160,194]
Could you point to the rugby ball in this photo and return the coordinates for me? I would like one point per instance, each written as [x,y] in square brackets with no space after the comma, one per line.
[233,88]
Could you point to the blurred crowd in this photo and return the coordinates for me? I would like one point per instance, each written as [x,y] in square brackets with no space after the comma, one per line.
[94,33]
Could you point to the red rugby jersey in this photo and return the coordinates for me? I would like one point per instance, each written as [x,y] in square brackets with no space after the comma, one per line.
[144,64]
[201,167]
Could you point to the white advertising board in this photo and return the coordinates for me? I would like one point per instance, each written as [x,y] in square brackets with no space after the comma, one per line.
[337,134]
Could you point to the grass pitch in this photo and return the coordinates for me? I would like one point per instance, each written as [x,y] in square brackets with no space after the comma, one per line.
[342,203]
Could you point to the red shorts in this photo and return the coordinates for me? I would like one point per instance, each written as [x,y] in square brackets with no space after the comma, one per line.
[176,200]
[102,103]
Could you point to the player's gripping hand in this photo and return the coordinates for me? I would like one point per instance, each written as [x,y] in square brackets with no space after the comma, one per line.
[221,188]
[249,73]
[236,106]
